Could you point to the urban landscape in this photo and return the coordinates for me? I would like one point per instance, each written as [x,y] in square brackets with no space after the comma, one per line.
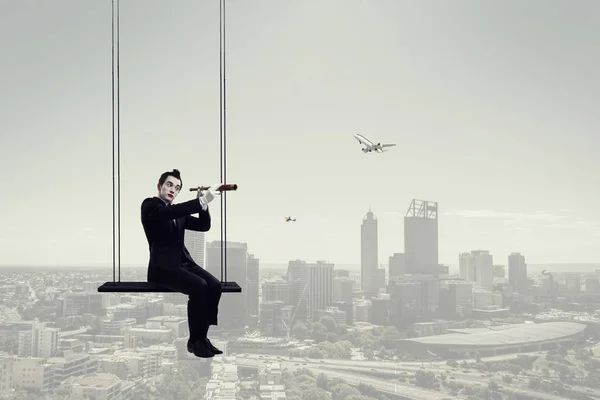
[406,329]
[308,200]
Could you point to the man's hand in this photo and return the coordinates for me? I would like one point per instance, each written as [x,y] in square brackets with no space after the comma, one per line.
[206,196]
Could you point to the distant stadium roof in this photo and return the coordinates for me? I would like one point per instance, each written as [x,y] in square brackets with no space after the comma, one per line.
[526,333]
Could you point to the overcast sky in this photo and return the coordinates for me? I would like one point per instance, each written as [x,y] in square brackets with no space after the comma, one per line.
[493,107]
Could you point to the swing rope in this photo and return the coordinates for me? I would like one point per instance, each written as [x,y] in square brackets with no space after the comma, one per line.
[117,228]
[223,145]
[223,140]
[118,142]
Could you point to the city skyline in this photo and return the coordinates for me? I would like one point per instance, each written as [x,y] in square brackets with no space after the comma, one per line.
[500,259]
[461,263]
[493,110]
[63,344]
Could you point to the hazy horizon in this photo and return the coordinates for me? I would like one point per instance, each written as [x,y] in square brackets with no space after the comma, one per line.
[493,109]
[282,267]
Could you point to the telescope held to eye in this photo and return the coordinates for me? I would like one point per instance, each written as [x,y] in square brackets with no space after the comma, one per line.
[223,188]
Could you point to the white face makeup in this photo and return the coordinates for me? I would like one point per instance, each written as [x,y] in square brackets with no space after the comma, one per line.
[170,189]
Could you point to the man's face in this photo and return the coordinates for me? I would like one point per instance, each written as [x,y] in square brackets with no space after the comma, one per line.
[170,189]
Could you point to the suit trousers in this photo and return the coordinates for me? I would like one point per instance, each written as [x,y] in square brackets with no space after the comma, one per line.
[204,291]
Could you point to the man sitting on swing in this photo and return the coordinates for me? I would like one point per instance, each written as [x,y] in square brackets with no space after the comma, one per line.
[171,264]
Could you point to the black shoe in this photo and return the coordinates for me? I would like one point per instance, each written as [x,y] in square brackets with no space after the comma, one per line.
[211,347]
[200,350]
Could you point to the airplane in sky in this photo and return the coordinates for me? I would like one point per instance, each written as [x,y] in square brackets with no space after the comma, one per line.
[290,219]
[379,148]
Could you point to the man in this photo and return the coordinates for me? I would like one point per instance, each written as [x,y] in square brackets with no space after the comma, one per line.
[171,265]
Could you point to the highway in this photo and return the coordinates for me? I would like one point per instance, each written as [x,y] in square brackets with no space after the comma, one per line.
[363,370]
[353,378]
[465,378]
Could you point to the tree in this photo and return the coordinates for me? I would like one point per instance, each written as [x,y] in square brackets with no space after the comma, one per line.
[322,381]
[514,369]
[367,390]
[390,337]
[582,355]
[534,383]
[350,337]
[339,350]
[425,379]
[366,340]
[360,397]
[526,362]
[10,345]
[332,337]
[318,332]
[300,331]
[314,352]
[481,367]
[343,391]
[315,393]
[329,323]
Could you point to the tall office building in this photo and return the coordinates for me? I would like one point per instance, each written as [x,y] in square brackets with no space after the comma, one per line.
[194,242]
[484,268]
[499,271]
[466,267]
[421,238]
[477,266]
[233,306]
[40,341]
[456,297]
[276,290]
[517,273]
[342,289]
[252,285]
[297,277]
[369,263]
[320,287]
[396,265]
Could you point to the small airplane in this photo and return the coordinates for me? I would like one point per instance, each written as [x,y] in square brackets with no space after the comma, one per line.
[290,219]
[379,148]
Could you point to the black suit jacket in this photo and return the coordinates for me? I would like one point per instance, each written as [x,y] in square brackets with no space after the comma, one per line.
[165,242]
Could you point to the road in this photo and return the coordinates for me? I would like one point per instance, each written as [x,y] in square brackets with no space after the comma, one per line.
[468,379]
[354,378]
[361,370]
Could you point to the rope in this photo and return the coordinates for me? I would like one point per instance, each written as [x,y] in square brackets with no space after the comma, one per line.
[223,138]
[222,144]
[116,229]
[221,122]
[113,134]
[118,143]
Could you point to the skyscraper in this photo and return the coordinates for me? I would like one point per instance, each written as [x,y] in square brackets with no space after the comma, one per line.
[517,273]
[297,277]
[232,307]
[484,268]
[320,286]
[466,267]
[368,254]
[253,266]
[421,238]
[397,265]
[477,266]
[194,242]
